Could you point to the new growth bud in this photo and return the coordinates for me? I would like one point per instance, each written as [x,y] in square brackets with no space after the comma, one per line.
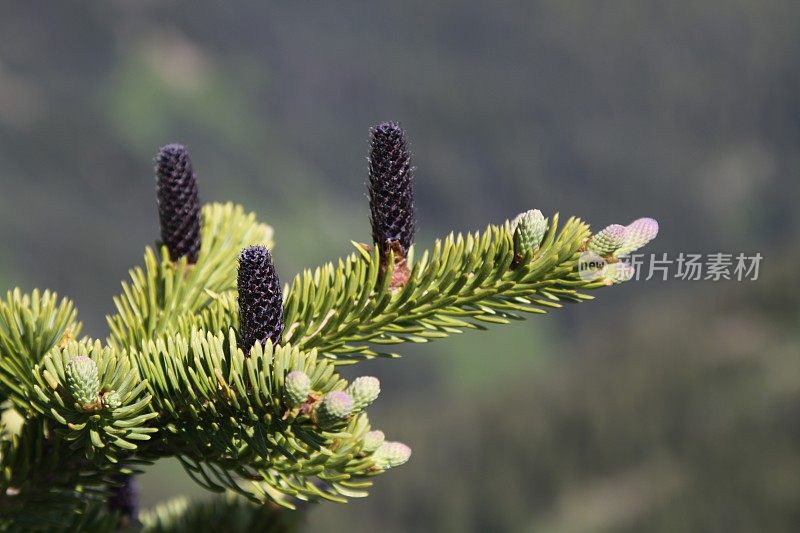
[391,454]
[528,229]
[335,407]
[178,204]
[111,400]
[608,240]
[82,380]
[391,195]
[297,386]
[260,298]
[372,441]
[637,234]
[364,391]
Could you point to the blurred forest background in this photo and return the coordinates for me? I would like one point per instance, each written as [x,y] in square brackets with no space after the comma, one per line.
[661,406]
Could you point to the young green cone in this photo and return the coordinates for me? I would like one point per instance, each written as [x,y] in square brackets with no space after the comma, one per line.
[372,441]
[391,454]
[528,229]
[608,240]
[82,380]
[335,407]
[364,391]
[637,234]
[297,386]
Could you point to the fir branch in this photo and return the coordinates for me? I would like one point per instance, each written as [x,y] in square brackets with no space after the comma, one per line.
[258,408]
[162,292]
[30,326]
[226,415]
[465,282]
[110,425]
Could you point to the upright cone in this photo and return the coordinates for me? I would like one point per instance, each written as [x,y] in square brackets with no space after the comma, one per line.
[391,194]
[82,379]
[528,229]
[178,204]
[260,298]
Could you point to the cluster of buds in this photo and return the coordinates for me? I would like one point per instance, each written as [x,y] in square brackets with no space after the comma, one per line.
[607,249]
[386,454]
[618,241]
[393,224]
[83,383]
[338,406]
[334,407]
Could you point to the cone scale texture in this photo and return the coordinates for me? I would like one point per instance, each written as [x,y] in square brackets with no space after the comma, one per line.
[607,240]
[111,400]
[637,234]
[178,203]
[260,298]
[364,391]
[373,440]
[390,187]
[82,379]
[391,454]
[528,230]
[297,386]
[335,406]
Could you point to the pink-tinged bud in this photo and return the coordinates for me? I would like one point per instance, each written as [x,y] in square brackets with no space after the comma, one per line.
[608,240]
[391,454]
[637,234]
[335,407]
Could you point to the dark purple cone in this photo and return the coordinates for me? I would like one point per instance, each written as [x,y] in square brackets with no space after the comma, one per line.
[178,205]
[391,195]
[260,298]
